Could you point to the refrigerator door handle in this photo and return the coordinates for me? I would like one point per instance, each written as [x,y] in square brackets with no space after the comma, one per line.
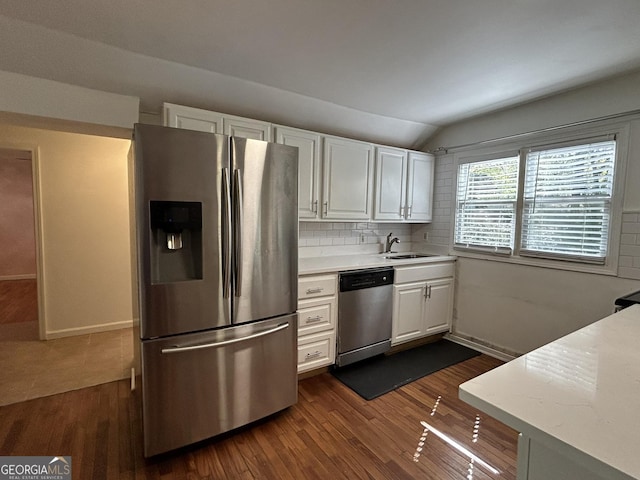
[178,349]
[237,241]
[226,233]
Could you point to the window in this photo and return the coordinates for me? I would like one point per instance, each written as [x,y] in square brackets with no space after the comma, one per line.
[486,204]
[567,201]
[561,209]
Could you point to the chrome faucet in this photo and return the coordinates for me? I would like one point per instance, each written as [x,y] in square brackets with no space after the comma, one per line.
[389,243]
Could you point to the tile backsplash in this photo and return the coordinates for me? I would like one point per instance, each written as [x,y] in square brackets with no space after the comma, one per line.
[438,232]
[369,236]
[629,259]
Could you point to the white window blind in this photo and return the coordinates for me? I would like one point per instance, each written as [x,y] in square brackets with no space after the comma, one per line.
[567,201]
[486,205]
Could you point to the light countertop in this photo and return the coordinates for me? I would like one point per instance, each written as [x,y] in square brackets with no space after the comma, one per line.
[338,263]
[579,395]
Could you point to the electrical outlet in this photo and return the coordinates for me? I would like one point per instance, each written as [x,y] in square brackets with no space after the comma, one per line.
[362,238]
[425,236]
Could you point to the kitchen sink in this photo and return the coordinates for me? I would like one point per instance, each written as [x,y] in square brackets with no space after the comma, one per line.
[402,256]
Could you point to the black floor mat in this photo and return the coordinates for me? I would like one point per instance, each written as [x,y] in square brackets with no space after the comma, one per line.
[381,374]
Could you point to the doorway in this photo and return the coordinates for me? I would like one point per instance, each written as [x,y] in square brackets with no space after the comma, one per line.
[18,271]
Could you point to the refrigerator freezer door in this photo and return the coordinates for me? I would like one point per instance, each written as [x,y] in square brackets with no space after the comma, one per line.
[265,229]
[199,385]
[175,167]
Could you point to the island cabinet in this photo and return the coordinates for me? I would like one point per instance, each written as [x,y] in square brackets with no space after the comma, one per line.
[317,314]
[403,185]
[574,402]
[422,301]
[179,116]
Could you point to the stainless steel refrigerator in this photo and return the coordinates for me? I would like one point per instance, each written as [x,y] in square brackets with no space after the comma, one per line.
[217,241]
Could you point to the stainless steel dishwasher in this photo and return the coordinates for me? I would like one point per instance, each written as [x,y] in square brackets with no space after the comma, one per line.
[364,314]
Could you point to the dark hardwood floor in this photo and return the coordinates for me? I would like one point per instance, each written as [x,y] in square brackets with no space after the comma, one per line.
[331,433]
[18,301]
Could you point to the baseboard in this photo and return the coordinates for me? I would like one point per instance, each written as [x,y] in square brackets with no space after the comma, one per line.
[70,332]
[26,276]
[505,357]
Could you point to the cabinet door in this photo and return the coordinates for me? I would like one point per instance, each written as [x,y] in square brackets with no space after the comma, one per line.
[420,187]
[179,116]
[247,128]
[308,144]
[408,312]
[439,305]
[391,183]
[347,179]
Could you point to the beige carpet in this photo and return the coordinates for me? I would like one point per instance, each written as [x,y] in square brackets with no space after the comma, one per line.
[38,368]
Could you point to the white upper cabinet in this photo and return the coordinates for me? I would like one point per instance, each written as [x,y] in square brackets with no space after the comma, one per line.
[337,175]
[420,187]
[247,128]
[189,118]
[179,116]
[391,184]
[347,179]
[308,144]
[404,185]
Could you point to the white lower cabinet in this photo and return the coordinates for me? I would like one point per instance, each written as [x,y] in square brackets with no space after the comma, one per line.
[422,301]
[317,314]
[315,351]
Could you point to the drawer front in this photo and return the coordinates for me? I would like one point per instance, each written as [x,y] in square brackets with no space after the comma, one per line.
[315,351]
[317,286]
[316,315]
[423,272]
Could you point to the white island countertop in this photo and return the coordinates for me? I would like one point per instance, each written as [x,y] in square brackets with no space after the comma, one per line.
[339,263]
[579,395]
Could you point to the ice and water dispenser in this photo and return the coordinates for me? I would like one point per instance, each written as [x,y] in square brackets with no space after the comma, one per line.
[176,241]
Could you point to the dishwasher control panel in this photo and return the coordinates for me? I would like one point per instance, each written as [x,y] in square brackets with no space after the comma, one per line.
[358,279]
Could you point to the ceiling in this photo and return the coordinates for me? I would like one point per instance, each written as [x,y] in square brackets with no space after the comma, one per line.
[377,69]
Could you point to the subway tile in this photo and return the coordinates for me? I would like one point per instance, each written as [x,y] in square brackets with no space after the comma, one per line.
[625,261]
[630,250]
[628,239]
[630,227]
[625,272]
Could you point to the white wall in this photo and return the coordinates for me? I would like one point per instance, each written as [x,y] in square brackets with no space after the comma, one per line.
[82,195]
[26,95]
[516,308]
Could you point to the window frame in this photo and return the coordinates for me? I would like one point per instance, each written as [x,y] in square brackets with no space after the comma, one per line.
[558,137]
